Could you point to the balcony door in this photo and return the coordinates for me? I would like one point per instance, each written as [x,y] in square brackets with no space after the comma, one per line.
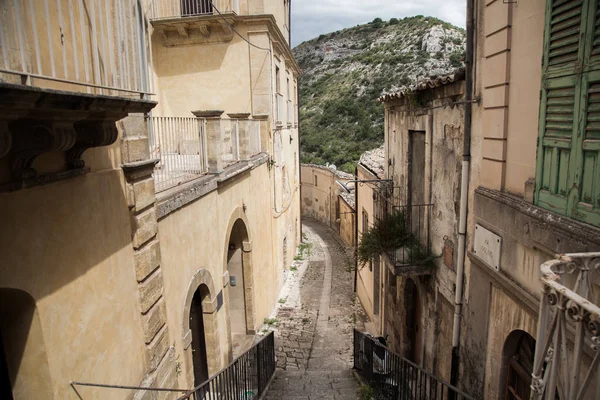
[416,183]
[196,7]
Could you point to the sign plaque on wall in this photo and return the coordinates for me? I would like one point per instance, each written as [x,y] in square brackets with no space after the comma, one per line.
[487,246]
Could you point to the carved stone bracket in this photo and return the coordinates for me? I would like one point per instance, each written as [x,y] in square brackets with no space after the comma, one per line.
[32,138]
[91,134]
[34,121]
[195,30]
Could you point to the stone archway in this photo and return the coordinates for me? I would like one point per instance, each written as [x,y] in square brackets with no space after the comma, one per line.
[202,285]
[22,349]
[238,277]
[517,365]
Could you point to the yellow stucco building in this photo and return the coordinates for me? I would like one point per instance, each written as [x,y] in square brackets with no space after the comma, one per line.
[149,190]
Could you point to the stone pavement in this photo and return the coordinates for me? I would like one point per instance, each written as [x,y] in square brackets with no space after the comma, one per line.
[313,336]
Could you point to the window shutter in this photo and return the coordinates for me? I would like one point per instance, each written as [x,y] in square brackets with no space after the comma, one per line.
[558,120]
[564,26]
[586,204]
[568,164]
[594,24]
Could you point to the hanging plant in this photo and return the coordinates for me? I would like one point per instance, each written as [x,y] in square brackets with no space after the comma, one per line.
[391,234]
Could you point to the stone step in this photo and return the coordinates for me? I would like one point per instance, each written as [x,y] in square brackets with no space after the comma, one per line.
[313,385]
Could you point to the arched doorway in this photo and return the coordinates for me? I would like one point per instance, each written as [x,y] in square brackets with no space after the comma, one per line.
[517,366]
[235,268]
[201,340]
[199,354]
[413,335]
[238,287]
[22,349]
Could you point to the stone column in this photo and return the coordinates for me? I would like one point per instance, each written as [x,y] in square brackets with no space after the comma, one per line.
[243,134]
[138,167]
[214,139]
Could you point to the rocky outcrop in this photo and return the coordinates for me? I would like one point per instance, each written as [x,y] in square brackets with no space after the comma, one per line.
[345,72]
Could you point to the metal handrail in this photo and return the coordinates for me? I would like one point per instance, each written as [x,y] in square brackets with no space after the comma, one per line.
[393,376]
[568,328]
[247,377]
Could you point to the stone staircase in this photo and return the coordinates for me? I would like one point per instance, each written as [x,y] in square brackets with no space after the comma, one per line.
[313,385]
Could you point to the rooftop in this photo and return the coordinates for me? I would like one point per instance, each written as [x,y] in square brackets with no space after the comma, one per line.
[374,160]
[429,83]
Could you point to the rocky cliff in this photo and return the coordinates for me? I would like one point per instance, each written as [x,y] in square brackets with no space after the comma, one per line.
[344,73]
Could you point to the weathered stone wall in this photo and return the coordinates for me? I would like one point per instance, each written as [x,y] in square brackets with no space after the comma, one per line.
[347,228]
[365,286]
[320,191]
[440,121]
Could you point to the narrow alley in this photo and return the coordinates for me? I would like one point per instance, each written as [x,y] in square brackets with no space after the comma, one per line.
[315,323]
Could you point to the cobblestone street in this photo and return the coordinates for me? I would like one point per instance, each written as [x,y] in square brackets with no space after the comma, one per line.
[315,322]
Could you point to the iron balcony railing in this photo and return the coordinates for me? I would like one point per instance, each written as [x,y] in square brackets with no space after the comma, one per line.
[180,146]
[92,46]
[247,377]
[179,143]
[567,354]
[396,378]
[168,9]
[415,248]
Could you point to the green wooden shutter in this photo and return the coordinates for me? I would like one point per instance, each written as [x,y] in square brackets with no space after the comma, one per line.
[586,202]
[557,129]
[563,34]
[568,164]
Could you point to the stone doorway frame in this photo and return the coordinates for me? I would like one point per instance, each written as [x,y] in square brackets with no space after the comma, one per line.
[210,308]
[247,268]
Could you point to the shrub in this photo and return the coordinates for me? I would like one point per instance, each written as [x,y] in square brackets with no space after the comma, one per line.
[394,21]
[390,233]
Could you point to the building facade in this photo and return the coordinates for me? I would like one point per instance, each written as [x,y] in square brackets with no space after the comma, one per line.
[408,291]
[328,197]
[535,176]
[145,234]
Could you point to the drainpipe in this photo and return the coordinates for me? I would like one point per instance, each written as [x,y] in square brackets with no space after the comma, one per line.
[464,196]
[355,227]
[290,22]
[299,149]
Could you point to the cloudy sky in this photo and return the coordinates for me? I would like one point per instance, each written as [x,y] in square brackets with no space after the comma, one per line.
[311,18]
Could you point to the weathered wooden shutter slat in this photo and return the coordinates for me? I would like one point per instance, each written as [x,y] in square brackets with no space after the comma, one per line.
[587,202]
[568,169]
[557,128]
[594,62]
[564,37]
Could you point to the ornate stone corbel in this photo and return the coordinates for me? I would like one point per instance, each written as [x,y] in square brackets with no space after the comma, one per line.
[91,134]
[204,29]
[182,30]
[163,35]
[226,27]
[33,138]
